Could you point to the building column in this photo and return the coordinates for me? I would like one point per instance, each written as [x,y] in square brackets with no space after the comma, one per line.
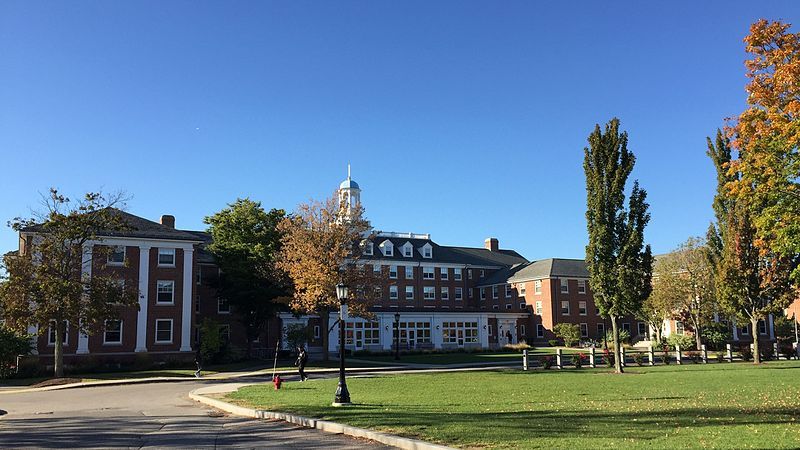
[437,330]
[86,275]
[144,284]
[735,330]
[483,330]
[186,316]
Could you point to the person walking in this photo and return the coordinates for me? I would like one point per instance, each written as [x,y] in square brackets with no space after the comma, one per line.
[302,359]
[198,360]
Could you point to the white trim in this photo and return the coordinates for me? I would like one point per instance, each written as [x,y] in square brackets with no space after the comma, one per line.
[172,300]
[166,251]
[186,310]
[105,331]
[219,311]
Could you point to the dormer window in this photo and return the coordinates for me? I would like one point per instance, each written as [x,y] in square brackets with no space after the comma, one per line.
[368,248]
[387,248]
[408,250]
[427,251]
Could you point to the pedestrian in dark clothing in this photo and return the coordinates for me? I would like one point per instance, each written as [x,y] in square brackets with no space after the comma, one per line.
[509,337]
[302,359]
[198,360]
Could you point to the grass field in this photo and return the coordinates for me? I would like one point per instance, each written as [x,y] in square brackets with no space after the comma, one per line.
[716,405]
[463,358]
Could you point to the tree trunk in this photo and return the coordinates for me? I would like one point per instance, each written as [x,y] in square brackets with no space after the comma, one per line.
[615,333]
[325,318]
[698,339]
[58,350]
[754,333]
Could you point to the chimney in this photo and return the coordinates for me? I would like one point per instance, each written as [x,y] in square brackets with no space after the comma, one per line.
[491,244]
[168,221]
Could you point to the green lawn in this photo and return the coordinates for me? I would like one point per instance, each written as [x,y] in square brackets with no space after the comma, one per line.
[463,358]
[716,405]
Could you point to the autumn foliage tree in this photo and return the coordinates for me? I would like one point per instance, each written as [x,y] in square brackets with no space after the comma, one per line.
[48,285]
[766,136]
[619,264]
[322,247]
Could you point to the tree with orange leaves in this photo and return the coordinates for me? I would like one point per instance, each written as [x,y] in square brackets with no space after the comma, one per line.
[767,138]
[322,247]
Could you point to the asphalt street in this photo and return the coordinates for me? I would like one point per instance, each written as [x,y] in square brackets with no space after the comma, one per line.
[156,415]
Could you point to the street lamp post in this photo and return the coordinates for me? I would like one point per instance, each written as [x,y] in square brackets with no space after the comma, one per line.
[396,336]
[342,394]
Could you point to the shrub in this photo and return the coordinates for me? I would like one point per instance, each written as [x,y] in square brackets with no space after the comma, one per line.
[553,343]
[684,341]
[666,355]
[515,347]
[720,357]
[570,333]
[716,335]
[624,336]
[746,353]
[30,367]
[767,352]
[577,360]
[142,361]
[297,334]
[638,358]
[11,346]
[787,351]
[694,357]
[210,341]
[547,362]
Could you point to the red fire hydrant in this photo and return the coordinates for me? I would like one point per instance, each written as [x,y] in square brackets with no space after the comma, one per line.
[277,382]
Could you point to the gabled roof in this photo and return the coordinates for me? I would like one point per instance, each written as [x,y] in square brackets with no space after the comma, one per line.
[139,227]
[536,270]
[446,254]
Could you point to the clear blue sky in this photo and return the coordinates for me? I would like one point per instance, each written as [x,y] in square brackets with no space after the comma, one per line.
[461,119]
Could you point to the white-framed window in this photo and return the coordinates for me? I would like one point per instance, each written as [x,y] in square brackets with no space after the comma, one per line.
[469,273]
[427,251]
[509,306]
[539,307]
[225,333]
[166,256]
[409,292]
[626,327]
[377,268]
[744,331]
[112,332]
[469,292]
[762,327]
[317,332]
[564,308]
[429,293]
[522,305]
[393,272]
[641,328]
[537,287]
[408,250]
[601,330]
[521,289]
[445,291]
[678,327]
[413,333]
[582,308]
[494,291]
[198,276]
[584,330]
[392,292]
[459,332]
[495,306]
[409,272]
[459,294]
[116,255]
[522,330]
[581,286]
[197,303]
[564,286]
[428,273]
[387,248]
[444,273]
[163,331]
[457,274]
[165,292]
[491,331]
[508,291]
[369,248]
[483,293]
[51,333]
[483,273]
[539,330]
[223,307]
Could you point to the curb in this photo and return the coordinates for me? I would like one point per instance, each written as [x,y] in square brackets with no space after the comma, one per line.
[322,425]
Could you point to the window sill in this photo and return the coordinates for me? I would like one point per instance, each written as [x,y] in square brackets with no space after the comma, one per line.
[165,304]
[223,312]
[162,342]
[115,264]
[166,266]
[112,344]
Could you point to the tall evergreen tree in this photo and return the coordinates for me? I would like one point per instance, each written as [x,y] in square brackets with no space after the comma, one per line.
[620,265]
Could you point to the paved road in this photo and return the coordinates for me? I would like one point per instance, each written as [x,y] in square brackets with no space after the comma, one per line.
[158,415]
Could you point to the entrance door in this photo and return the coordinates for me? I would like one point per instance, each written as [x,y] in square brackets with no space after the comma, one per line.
[359,339]
[460,336]
[412,334]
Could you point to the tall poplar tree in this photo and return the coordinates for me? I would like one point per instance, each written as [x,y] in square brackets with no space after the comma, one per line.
[620,265]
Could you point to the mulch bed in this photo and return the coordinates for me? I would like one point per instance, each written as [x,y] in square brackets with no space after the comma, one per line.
[56,382]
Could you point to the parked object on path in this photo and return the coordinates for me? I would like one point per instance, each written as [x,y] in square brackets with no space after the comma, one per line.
[277,382]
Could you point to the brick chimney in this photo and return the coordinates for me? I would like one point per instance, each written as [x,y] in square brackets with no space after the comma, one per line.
[491,244]
[168,221]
